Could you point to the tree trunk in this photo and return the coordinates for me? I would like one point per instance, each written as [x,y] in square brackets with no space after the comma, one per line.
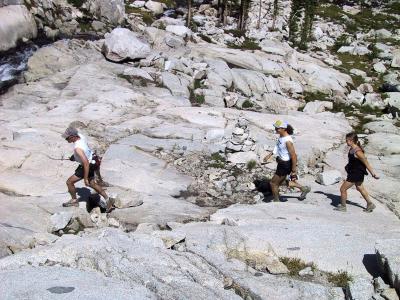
[189,15]
[225,12]
[259,16]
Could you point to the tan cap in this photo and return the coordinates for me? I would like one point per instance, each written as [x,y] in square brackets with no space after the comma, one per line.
[70,131]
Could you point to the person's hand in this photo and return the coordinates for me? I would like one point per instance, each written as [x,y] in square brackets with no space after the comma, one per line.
[86,182]
[375,176]
[266,158]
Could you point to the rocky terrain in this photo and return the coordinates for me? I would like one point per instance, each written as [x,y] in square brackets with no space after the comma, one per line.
[182,117]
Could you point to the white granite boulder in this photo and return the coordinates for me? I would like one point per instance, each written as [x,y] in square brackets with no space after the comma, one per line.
[16,24]
[179,30]
[123,44]
[155,7]
[315,107]
[110,11]
[329,177]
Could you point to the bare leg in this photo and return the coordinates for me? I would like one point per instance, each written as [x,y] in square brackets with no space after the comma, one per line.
[295,184]
[71,186]
[98,189]
[370,206]
[275,183]
[343,191]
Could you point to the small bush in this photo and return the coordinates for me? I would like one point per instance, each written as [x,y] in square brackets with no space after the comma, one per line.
[205,38]
[235,32]
[218,161]
[294,265]
[340,279]
[309,97]
[251,164]
[247,104]
[247,44]
[76,3]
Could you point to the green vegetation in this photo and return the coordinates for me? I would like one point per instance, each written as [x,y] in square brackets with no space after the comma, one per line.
[251,164]
[218,161]
[76,3]
[309,97]
[248,44]
[197,84]
[235,32]
[365,20]
[247,104]
[393,7]
[205,38]
[359,112]
[295,265]
[196,99]
[340,279]
[147,17]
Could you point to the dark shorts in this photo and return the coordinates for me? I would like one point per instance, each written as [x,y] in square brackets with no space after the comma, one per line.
[355,176]
[79,171]
[284,168]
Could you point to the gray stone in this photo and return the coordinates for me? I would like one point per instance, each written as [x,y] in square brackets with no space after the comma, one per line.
[110,11]
[46,282]
[396,59]
[17,23]
[123,44]
[379,67]
[179,30]
[155,7]
[389,260]
[60,220]
[390,294]
[306,272]
[360,288]
[315,107]
[329,177]
[176,84]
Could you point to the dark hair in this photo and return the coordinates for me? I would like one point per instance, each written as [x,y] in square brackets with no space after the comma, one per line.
[353,136]
[289,129]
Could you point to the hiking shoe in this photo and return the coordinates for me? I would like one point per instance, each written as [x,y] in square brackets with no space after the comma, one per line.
[110,204]
[340,207]
[72,202]
[304,191]
[370,207]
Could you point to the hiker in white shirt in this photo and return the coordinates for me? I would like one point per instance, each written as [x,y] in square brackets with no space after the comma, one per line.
[86,169]
[287,161]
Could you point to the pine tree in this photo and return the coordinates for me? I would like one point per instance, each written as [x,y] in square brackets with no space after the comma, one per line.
[189,14]
[275,13]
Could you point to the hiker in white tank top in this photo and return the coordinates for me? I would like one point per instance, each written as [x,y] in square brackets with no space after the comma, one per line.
[287,161]
[281,149]
[86,170]
[81,143]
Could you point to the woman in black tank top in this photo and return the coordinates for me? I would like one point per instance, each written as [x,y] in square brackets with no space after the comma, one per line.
[356,170]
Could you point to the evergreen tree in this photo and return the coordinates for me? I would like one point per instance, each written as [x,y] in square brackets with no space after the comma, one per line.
[275,13]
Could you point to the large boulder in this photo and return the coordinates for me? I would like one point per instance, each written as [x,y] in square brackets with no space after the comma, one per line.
[16,24]
[155,7]
[110,11]
[388,254]
[123,44]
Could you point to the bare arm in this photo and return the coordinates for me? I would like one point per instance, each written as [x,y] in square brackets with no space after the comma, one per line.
[293,156]
[361,156]
[85,164]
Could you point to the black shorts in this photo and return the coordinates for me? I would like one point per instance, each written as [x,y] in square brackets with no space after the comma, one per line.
[79,171]
[355,176]
[284,168]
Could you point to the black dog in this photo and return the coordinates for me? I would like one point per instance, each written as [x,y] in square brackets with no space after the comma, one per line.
[263,186]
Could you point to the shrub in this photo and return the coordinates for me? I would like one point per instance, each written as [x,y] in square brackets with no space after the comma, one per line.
[251,164]
[341,278]
[247,104]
